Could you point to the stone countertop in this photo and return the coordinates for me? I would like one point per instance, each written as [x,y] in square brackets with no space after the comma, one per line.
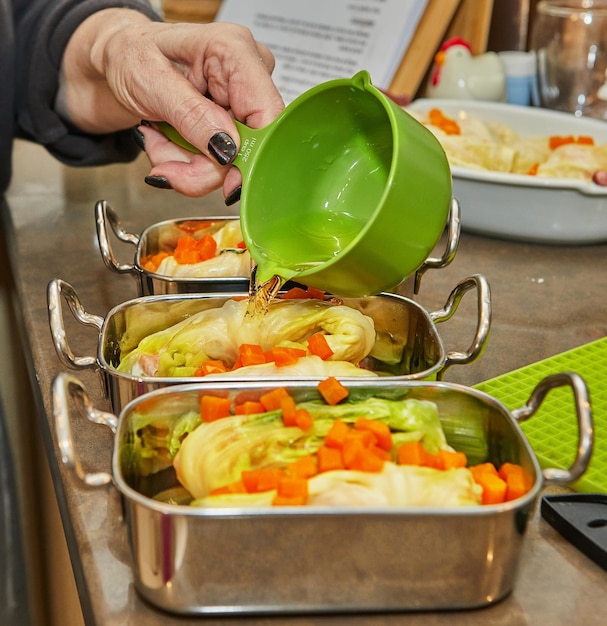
[546,299]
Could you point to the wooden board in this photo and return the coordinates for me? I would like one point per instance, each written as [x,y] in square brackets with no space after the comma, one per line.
[468,19]
[190,10]
[471,22]
[423,47]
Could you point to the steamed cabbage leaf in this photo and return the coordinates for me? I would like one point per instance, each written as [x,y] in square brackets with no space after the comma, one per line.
[216,453]
[155,437]
[217,334]
[226,263]
[310,365]
[573,160]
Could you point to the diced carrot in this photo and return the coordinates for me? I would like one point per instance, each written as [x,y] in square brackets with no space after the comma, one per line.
[370,461]
[289,410]
[365,460]
[518,480]
[366,437]
[292,488]
[269,357]
[516,486]
[185,251]
[533,169]
[187,257]
[446,124]
[381,453]
[249,407]
[556,141]
[304,419]
[509,468]
[237,364]
[351,448]
[236,487]
[185,242]
[585,140]
[484,467]
[445,459]
[332,390]
[329,459]
[295,293]
[152,262]
[382,432]
[241,245]
[213,408]
[411,453]
[314,293]
[494,488]
[283,355]
[271,399]
[319,346]
[336,435]
[451,459]
[433,460]
[258,480]
[211,367]
[206,247]
[304,467]
[251,354]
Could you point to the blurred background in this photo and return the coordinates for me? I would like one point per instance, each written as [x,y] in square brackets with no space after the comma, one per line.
[485,24]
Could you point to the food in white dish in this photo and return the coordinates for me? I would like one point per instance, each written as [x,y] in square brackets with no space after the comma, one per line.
[476,143]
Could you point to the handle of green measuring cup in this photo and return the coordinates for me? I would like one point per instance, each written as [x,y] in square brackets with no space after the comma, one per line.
[249,142]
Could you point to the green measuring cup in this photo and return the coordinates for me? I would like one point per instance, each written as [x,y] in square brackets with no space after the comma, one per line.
[344,191]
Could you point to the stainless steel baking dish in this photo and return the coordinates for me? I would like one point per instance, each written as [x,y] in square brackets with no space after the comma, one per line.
[163,235]
[404,325]
[325,559]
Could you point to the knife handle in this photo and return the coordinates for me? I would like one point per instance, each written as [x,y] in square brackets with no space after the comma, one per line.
[581,518]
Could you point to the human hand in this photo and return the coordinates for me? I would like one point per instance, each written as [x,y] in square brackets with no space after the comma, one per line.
[143,70]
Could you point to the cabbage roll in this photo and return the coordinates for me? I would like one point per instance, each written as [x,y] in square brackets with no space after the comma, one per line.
[218,333]
[230,260]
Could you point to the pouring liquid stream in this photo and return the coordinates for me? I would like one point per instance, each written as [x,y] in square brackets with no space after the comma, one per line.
[324,235]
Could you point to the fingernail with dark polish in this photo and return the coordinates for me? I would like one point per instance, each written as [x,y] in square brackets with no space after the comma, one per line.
[234,197]
[160,182]
[139,138]
[222,147]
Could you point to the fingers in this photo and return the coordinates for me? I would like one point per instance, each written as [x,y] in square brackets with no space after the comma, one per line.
[232,186]
[232,70]
[240,78]
[266,56]
[224,62]
[190,174]
[194,179]
[159,149]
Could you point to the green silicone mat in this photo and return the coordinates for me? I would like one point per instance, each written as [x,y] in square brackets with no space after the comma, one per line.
[552,431]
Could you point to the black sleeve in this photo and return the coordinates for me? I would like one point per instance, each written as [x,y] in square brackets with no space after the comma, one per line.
[42,31]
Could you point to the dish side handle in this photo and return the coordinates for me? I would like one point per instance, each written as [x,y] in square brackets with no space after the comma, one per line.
[67,390]
[585,422]
[105,216]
